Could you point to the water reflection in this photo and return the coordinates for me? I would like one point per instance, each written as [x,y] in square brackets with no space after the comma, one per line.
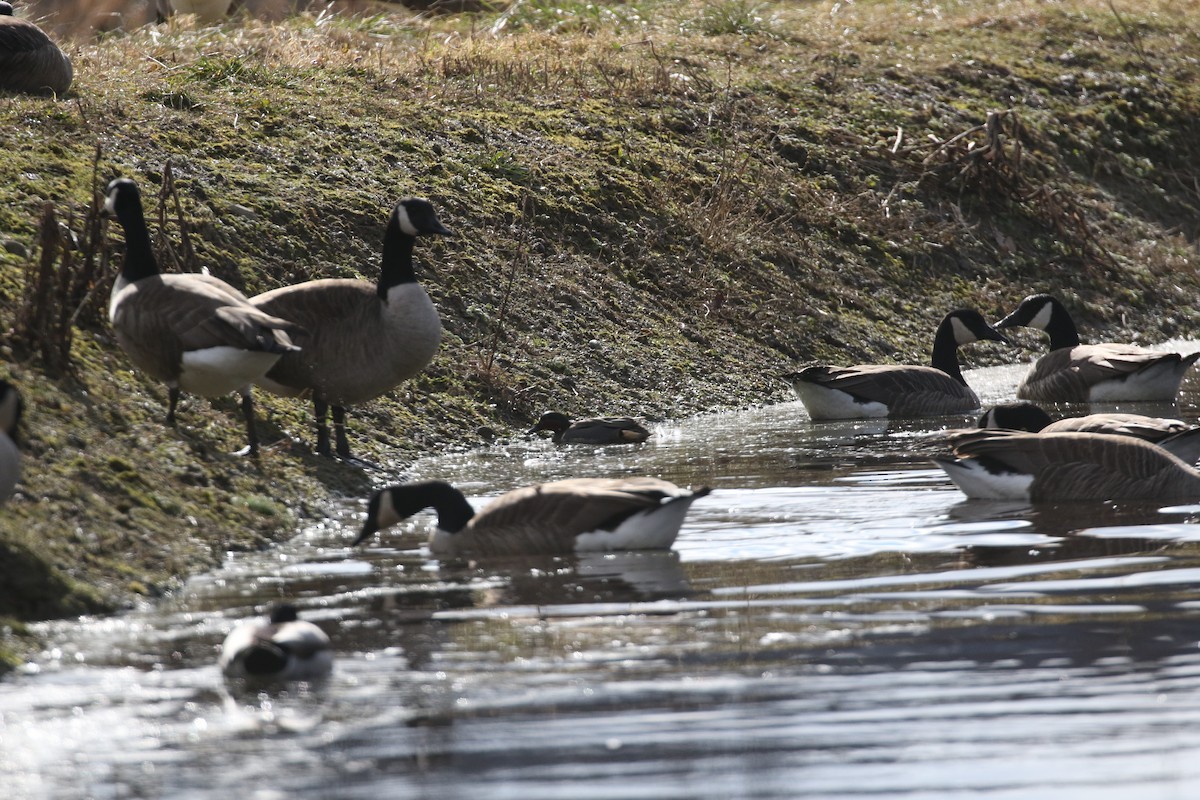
[835,620]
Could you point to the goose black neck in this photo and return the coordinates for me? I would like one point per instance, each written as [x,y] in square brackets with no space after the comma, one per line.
[945,352]
[1061,328]
[397,266]
[453,510]
[139,255]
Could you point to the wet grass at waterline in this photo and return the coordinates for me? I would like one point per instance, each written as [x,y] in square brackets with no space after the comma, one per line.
[659,207]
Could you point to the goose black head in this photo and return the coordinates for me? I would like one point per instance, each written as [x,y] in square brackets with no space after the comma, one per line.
[417,218]
[121,198]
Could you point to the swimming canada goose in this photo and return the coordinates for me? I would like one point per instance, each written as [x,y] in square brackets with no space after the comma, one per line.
[281,647]
[598,430]
[205,10]
[1173,435]
[571,516]
[193,332]
[10,456]
[29,61]
[362,339]
[1014,465]
[1078,373]
[898,390]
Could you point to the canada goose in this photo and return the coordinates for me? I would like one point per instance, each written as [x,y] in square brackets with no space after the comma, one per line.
[898,390]
[193,332]
[205,10]
[281,647]
[1014,465]
[571,516]
[29,61]
[1173,435]
[598,430]
[362,339]
[10,456]
[1078,373]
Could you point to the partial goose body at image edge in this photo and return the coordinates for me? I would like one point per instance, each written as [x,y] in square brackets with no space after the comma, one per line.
[30,62]
[573,515]
[1107,372]
[11,406]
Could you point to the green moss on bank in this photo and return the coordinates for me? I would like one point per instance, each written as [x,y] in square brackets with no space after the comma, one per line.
[659,206]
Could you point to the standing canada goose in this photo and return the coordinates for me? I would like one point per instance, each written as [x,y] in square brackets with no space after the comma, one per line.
[10,456]
[193,332]
[1078,373]
[1173,435]
[598,430]
[999,464]
[362,339]
[29,61]
[281,647]
[898,390]
[571,516]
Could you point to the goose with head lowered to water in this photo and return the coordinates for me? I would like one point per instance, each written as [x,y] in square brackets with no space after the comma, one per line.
[569,516]
[192,331]
[1173,435]
[898,390]
[1072,372]
[362,339]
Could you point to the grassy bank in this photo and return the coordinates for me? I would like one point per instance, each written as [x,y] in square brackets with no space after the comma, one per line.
[658,207]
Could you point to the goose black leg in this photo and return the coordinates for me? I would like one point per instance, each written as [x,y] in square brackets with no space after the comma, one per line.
[251,428]
[321,411]
[339,431]
[172,401]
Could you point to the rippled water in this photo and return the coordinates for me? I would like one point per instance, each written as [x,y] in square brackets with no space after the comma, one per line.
[834,621]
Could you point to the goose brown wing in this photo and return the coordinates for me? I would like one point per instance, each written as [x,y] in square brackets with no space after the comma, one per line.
[548,517]
[1152,429]
[904,389]
[1068,374]
[320,302]
[1082,466]
[29,60]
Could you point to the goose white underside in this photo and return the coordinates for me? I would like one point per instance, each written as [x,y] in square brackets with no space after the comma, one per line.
[280,389]
[10,467]
[974,480]
[1156,383]
[824,403]
[220,370]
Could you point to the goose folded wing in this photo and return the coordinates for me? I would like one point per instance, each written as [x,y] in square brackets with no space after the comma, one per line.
[1108,466]
[570,507]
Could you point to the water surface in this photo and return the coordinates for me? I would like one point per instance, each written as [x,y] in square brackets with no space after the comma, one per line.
[836,620]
